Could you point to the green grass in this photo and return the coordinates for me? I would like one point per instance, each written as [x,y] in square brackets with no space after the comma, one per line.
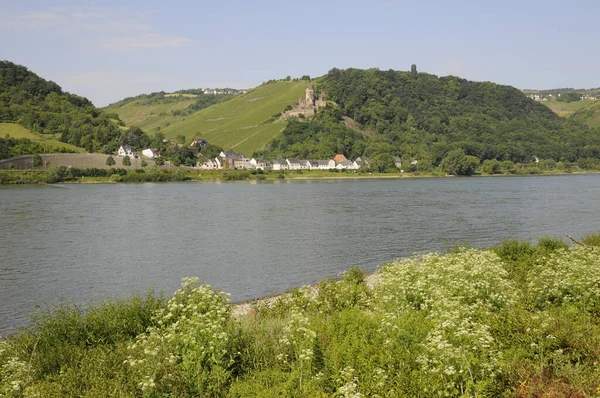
[239,124]
[584,111]
[18,131]
[148,117]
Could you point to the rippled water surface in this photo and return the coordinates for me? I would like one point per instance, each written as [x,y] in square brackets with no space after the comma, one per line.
[86,242]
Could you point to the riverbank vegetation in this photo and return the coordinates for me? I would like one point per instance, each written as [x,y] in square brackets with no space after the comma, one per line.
[64,174]
[515,320]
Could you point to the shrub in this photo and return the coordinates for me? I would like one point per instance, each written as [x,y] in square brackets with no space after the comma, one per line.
[591,240]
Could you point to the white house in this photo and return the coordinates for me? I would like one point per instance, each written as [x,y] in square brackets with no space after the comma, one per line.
[345,165]
[280,165]
[210,164]
[126,150]
[257,164]
[150,153]
[241,162]
[358,163]
[321,164]
[295,164]
[398,162]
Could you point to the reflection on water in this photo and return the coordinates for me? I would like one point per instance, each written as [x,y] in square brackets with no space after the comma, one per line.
[255,239]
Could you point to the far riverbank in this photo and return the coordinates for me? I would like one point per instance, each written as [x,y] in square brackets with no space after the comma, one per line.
[120,175]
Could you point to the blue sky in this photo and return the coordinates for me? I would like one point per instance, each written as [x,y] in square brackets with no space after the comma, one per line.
[107,50]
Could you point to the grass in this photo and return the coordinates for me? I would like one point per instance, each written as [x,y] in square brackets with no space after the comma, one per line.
[517,320]
[240,124]
[148,117]
[584,111]
[51,140]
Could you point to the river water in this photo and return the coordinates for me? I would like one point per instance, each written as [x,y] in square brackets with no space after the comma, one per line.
[80,243]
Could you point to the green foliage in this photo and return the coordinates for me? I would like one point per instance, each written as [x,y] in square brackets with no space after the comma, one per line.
[126,161]
[10,147]
[110,161]
[458,163]
[42,107]
[384,162]
[62,338]
[570,96]
[320,138]
[424,116]
[591,240]
[189,347]
[36,160]
[492,166]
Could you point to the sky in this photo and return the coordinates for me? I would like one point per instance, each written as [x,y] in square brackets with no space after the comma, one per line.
[107,50]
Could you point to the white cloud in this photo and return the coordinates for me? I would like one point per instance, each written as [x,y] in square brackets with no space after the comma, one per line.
[152,40]
[106,24]
[52,17]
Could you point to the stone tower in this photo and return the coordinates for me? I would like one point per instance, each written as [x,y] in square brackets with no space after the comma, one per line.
[310,95]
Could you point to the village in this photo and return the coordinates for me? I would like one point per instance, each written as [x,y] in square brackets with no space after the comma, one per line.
[229,160]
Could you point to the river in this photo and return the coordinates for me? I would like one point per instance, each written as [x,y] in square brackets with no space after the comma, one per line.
[80,243]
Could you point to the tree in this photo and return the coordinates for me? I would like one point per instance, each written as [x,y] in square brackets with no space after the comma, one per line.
[384,162]
[413,69]
[159,161]
[36,160]
[126,161]
[180,139]
[491,166]
[144,163]
[459,163]
[110,162]
[570,96]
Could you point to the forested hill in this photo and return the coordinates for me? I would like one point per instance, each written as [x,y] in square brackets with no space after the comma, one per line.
[422,116]
[44,108]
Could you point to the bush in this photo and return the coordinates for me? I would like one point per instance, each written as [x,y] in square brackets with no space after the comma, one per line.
[591,240]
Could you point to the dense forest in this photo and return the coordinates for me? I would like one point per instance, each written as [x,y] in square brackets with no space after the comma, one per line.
[425,117]
[43,107]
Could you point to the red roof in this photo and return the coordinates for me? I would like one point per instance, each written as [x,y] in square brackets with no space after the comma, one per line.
[339,158]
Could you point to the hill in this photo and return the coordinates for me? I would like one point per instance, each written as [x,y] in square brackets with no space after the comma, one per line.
[42,107]
[47,142]
[425,117]
[584,111]
[243,122]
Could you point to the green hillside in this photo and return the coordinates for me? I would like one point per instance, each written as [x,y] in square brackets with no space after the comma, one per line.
[42,107]
[584,111]
[149,115]
[241,123]
[48,141]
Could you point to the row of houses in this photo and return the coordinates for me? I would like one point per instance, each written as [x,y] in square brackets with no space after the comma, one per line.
[231,160]
[544,97]
[223,91]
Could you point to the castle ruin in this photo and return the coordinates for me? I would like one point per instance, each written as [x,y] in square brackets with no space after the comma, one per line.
[308,105]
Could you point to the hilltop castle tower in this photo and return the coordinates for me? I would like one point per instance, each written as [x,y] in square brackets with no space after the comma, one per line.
[308,105]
